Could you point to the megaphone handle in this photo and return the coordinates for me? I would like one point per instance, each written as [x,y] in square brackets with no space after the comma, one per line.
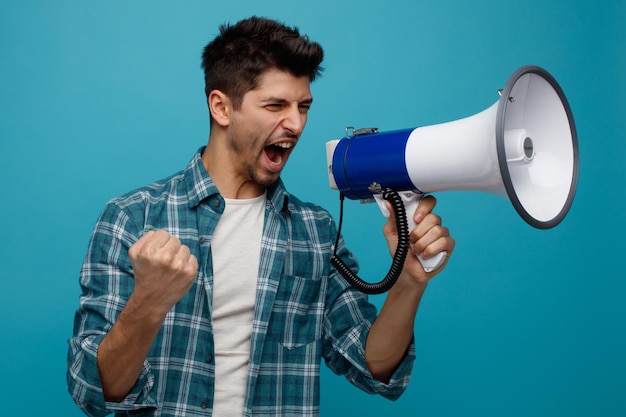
[411,200]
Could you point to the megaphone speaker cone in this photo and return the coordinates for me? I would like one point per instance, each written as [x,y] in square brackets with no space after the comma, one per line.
[537,147]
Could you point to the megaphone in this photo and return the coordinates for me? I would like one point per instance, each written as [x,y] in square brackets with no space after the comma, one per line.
[524,147]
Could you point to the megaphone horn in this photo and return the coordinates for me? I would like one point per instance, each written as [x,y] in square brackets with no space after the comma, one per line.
[524,147]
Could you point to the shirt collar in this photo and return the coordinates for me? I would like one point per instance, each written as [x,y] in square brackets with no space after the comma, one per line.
[278,197]
[200,186]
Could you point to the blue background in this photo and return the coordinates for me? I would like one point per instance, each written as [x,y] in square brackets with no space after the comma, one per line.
[97,98]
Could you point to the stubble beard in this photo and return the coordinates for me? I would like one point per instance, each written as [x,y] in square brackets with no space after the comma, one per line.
[253,155]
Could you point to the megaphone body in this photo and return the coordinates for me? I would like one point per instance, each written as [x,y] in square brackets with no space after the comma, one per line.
[524,147]
[459,155]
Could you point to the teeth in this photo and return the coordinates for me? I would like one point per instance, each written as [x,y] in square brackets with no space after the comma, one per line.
[284,145]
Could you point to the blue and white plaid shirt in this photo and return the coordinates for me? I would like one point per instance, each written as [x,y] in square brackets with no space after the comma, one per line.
[304,310]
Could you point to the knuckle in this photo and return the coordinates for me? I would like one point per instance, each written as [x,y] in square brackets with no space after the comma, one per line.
[167,258]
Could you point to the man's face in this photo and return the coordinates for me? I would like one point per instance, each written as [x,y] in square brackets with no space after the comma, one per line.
[266,128]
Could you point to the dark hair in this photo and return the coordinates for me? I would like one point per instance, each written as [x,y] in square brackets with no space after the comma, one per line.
[235,59]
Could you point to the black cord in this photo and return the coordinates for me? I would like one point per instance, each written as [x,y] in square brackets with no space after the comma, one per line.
[398,258]
[341,198]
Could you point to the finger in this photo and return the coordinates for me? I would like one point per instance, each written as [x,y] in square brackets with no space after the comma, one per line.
[150,244]
[437,239]
[180,256]
[442,244]
[166,251]
[184,252]
[186,262]
[192,265]
[429,230]
[140,243]
[421,229]
[424,208]
[162,239]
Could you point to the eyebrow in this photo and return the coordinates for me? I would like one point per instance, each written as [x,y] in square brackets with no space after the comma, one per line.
[282,100]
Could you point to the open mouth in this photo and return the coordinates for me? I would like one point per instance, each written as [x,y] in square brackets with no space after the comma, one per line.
[278,152]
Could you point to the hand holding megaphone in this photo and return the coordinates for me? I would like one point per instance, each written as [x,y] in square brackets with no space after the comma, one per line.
[411,201]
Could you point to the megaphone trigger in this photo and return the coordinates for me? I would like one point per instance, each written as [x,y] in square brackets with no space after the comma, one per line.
[411,201]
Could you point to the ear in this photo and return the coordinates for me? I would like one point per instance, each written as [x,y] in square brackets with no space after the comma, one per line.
[220,107]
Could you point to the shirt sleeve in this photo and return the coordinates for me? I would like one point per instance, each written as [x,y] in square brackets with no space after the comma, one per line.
[349,317]
[106,281]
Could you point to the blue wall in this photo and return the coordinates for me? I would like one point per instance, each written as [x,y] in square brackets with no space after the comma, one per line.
[97,98]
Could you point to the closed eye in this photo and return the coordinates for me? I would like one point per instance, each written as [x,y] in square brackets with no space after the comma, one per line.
[274,106]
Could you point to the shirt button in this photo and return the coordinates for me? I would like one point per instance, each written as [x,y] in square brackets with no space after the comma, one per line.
[202,239]
[209,358]
[204,404]
[215,203]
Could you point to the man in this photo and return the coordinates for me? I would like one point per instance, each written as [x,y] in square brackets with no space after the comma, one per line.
[211,292]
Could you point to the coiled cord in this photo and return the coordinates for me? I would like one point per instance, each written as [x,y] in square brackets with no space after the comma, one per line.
[398,258]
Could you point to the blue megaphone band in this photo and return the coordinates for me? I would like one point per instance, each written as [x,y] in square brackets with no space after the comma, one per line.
[362,160]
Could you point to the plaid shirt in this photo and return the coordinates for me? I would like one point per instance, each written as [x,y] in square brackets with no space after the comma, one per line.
[304,310]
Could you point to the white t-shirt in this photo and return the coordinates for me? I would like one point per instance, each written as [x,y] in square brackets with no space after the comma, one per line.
[236,249]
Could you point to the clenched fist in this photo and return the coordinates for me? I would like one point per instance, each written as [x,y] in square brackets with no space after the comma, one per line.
[164,270]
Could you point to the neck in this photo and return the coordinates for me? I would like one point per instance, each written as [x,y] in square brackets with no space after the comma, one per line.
[231,184]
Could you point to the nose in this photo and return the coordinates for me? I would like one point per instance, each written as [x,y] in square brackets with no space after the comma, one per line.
[295,119]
